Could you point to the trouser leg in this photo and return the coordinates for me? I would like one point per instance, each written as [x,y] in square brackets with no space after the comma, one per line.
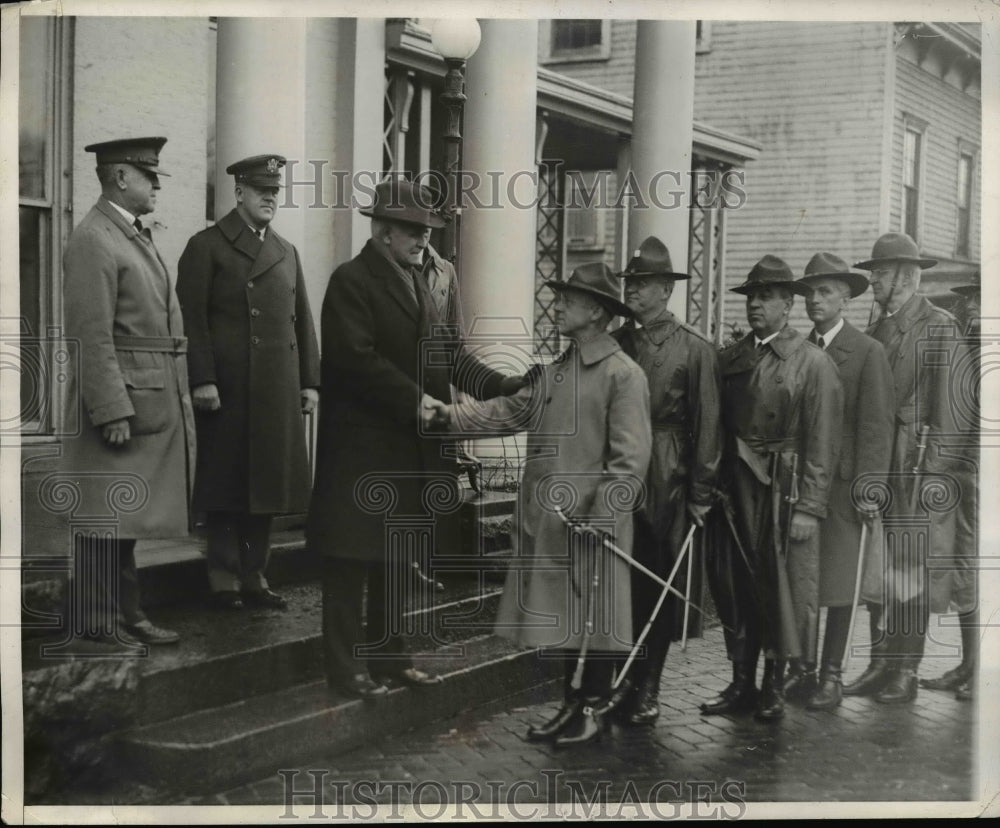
[385,651]
[106,593]
[223,554]
[343,633]
[255,543]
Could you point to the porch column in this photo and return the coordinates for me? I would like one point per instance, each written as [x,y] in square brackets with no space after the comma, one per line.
[497,251]
[260,105]
[662,135]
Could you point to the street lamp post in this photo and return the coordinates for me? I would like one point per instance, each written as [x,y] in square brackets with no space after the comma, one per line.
[456,40]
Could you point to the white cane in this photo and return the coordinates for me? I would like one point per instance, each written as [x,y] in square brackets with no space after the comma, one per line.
[857,595]
[687,592]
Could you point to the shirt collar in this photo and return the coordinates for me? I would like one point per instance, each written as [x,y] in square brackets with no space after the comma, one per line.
[758,342]
[828,337]
[128,216]
[598,348]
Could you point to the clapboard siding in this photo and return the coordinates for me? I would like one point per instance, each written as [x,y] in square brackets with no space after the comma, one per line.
[614,73]
[813,95]
[951,116]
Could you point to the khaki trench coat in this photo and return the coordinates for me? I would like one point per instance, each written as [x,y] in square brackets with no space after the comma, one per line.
[923,344]
[250,331]
[588,450]
[123,319]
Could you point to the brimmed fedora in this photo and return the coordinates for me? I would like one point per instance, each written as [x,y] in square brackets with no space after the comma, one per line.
[971,289]
[652,259]
[771,271]
[143,153]
[401,200]
[597,280]
[828,266]
[895,247]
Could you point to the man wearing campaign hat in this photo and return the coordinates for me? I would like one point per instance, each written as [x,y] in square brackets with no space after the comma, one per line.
[782,410]
[682,370]
[253,361]
[589,442]
[392,349]
[864,460]
[130,385]
[959,584]
[922,344]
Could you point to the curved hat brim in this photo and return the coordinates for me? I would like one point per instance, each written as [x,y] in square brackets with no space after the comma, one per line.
[855,281]
[872,264]
[625,274]
[430,220]
[967,290]
[750,287]
[616,306]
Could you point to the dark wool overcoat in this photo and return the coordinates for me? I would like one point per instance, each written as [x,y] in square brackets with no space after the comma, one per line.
[250,331]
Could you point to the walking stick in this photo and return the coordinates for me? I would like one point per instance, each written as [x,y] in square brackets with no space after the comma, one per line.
[918,467]
[687,592]
[857,596]
[577,681]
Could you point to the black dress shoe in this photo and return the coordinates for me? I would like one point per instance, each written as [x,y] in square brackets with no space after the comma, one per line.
[120,639]
[148,633]
[876,675]
[416,678]
[226,600]
[801,683]
[734,699]
[902,687]
[951,680]
[557,724]
[360,686]
[265,598]
[586,726]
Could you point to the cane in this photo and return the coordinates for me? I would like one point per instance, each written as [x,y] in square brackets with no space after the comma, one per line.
[857,596]
[687,591]
[577,681]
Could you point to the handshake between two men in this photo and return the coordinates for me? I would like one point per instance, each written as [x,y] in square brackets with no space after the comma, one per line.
[435,415]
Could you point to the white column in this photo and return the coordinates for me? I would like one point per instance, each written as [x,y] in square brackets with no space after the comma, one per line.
[497,251]
[260,105]
[662,134]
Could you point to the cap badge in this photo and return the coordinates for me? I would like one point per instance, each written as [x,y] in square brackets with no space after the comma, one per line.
[272,165]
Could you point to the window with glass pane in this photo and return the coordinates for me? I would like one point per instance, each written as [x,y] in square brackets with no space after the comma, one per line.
[965,168]
[36,112]
[911,181]
[570,35]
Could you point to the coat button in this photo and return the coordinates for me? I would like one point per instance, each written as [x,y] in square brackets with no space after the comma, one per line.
[293,317]
[658,363]
[779,379]
[249,285]
[292,344]
[548,400]
[254,312]
[255,340]
[558,378]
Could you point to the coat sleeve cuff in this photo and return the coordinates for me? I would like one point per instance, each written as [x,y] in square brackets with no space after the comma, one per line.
[109,412]
[811,507]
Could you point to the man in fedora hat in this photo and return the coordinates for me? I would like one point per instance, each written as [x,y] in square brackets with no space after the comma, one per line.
[682,370]
[922,343]
[959,584]
[782,409]
[589,442]
[383,398]
[864,458]
[253,361]
[137,429]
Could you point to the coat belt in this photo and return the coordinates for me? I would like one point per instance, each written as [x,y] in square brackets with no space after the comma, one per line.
[154,344]
[676,427]
[772,444]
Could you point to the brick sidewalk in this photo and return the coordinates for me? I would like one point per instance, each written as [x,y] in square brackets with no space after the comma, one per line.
[862,752]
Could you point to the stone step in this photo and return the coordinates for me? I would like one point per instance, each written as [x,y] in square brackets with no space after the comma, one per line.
[225,746]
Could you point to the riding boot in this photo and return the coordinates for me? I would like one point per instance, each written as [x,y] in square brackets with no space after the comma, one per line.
[570,706]
[957,676]
[740,696]
[829,693]
[879,669]
[771,704]
[587,725]
[801,681]
[647,700]
[902,687]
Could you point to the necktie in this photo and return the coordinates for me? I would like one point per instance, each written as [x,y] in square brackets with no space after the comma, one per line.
[137,225]
[820,341]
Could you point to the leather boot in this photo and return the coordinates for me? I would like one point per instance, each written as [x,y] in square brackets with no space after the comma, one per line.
[957,676]
[879,670]
[771,705]
[801,682]
[647,706]
[586,725]
[621,702]
[829,693]
[558,723]
[902,687]
[740,696]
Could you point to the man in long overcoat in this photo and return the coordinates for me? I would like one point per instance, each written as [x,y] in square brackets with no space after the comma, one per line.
[682,369]
[136,445]
[589,444]
[864,461]
[253,361]
[389,361]
[922,342]
[782,407]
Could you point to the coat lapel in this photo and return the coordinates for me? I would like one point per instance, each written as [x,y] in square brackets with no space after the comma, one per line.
[391,281]
[144,243]
[843,344]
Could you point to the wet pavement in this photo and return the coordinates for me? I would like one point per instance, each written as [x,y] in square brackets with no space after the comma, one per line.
[721,766]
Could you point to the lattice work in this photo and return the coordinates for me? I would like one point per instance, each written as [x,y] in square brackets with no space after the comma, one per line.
[706,249]
[389,122]
[548,258]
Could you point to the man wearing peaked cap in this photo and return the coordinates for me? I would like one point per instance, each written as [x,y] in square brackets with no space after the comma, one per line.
[131,379]
[921,342]
[781,408]
[864,459]
[682,369]
[589,440]
[392,350]
[254,365]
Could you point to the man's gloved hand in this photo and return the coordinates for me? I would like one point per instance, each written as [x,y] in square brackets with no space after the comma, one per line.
[116,433]
[803,526]
[206,397]
[698,512]
[513,384]
[310,398]
[434,414]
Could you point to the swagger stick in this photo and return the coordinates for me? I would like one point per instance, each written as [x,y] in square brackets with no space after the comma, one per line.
[577,681]
[857,596]
[687,592]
